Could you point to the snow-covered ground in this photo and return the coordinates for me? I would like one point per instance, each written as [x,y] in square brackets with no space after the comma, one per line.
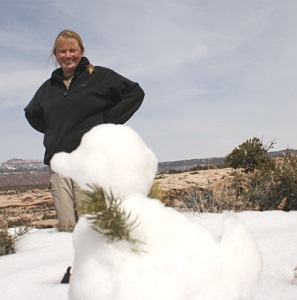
[228,256]
[35,271]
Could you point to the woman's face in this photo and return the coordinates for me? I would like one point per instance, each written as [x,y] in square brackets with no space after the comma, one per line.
[68,55]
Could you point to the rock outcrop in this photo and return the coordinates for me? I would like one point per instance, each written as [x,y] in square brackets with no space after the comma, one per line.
[34,207]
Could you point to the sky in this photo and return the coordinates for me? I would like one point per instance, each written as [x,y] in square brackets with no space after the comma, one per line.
[215,73]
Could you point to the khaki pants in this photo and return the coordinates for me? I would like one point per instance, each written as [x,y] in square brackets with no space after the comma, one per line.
[65,194]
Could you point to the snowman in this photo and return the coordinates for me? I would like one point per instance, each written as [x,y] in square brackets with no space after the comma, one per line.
[176,258]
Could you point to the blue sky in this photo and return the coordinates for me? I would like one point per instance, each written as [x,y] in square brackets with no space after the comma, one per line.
[215,72]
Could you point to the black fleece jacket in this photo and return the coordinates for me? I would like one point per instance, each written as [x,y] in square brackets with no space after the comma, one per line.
[64,116]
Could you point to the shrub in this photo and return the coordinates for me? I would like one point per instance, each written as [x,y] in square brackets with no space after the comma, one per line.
[9,236]
[250,155]
[283,183]
[272,186]
[7,241]
[156,192]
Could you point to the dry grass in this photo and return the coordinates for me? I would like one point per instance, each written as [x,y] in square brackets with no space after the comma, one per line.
[272,187]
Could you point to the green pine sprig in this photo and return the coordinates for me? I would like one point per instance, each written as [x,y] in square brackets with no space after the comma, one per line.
[106,215]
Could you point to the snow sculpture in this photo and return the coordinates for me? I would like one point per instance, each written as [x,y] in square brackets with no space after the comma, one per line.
[180,260]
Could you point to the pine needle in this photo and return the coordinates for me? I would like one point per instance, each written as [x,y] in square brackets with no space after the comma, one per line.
[106,215]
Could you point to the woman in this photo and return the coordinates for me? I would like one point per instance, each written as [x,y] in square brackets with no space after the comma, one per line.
[77,97]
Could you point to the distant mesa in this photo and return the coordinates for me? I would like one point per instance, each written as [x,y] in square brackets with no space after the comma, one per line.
[23,172]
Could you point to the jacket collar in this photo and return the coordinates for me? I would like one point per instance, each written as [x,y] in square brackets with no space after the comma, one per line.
[82,66]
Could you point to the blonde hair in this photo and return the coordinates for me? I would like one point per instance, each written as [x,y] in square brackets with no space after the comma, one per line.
[68,34]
